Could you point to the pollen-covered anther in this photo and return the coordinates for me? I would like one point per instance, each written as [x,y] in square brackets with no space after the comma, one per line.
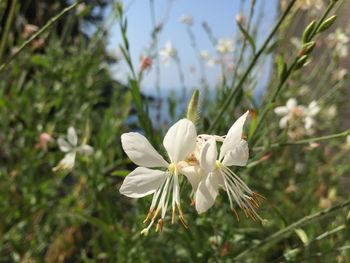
[148,216]
[235,213]
[159,227]
[181,216]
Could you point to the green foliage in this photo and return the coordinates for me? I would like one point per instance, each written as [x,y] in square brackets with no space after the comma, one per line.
[79,215]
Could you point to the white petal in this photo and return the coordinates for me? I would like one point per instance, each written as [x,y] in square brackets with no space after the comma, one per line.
[208,156]
[180,140]
[193,174]
[142,181]
[281,110]
[283,122]
[85,149]
[67,163]
[207,192]
[291,103]
[64,145]
[238,156]
[234,135]
[140,151]
[72,136]
[309,122]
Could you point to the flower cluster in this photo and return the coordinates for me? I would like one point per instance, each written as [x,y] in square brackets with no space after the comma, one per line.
[197,159]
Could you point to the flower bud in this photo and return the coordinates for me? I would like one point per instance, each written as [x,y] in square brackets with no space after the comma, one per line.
[307,48]
[326,24]
[308,31]
[192,108]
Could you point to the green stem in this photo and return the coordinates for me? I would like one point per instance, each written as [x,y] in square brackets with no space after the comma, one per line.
[239,86]
[42,30]
[8,24]
[305,141]
[279,235]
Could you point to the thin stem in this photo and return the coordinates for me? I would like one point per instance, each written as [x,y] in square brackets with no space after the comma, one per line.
[239,86]
[8,24]
[279,235]
[290,70]
[39,32]
[305,141]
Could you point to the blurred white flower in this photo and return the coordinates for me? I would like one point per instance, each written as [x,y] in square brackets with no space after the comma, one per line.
[71,149]
[339,40]
[205,55]
[347,142]
[187,20]
[331,112]
[296,42]
[168,52]
[310,4]
[179,142]
[224,45]
[340,74]
[289,112]
[309,116]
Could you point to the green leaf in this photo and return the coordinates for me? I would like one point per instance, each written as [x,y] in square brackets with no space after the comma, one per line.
[120,173]
[248,37]
[281,67]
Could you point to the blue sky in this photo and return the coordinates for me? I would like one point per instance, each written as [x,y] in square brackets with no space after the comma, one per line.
[220,16]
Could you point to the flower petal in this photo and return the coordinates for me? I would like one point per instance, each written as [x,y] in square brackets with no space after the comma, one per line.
[283,122]
[142,181]
[180,140]
[140,151]
[64,145]
[67,163]
[281,110]
[72,136]
[238,156]
[193,174]
[208,156]
[291,103]
[234,135]
[85,149]
[207,192]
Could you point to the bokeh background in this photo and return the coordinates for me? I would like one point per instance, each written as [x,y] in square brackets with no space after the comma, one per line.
[75,74]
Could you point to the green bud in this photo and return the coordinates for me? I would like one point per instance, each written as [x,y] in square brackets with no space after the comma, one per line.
[301,62]
[307,48]
[308,31]
[326,24]
[192,108]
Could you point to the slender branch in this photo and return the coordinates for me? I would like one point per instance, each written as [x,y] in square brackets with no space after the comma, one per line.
[305,141]
[42,30]
[8,24]
[279,235]
[239,86]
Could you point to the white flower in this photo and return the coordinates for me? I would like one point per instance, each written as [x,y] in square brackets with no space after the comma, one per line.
[216,173]
[290,111]
[179,142]
[224,45]
[339,40]
[205,55]
[310,4]
[167,53]
[309,116]
[187,20]
[71,149]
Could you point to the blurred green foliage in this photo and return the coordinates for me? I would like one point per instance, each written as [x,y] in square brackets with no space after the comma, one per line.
[79,216]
